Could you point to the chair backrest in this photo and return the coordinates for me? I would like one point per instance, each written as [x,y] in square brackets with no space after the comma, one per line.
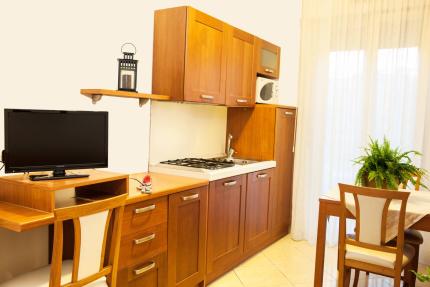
[371,209]
[417,184]
[97,231]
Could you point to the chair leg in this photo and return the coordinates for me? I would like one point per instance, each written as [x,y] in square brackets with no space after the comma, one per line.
[347,277]
[340,275]
[413,266]
[397,280]
[356,277]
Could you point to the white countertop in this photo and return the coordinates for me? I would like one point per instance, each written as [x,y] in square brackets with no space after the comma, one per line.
[212,175]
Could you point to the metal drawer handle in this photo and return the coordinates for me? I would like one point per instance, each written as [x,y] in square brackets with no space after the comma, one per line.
[241,101]
[262,175]
[189,197]
[207,97]
[269,71]
[144,269]
[144,209]
[289,113]
[230,183]
[144,239]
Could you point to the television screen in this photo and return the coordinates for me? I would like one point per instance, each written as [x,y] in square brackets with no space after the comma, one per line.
[38,140]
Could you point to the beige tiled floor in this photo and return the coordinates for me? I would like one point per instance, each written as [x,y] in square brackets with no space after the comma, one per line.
[289,263]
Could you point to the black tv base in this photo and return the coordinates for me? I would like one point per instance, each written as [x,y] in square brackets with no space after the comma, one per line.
[57,174]
[40,177]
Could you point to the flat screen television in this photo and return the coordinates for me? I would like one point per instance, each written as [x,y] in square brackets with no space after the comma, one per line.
[44,140]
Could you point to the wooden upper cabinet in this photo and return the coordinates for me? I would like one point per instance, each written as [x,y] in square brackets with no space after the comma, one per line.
[189,56]
[268,58]
[257,218]
[198,58]
[240,81]
[226,218]
[205,59]
[187,238]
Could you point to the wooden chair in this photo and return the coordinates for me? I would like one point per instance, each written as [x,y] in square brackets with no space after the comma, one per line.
[368,251]
[97,231]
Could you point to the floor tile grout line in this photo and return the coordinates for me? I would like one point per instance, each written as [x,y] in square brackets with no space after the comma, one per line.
[238,277]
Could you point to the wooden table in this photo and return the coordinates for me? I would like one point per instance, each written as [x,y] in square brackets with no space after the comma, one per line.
[330,207]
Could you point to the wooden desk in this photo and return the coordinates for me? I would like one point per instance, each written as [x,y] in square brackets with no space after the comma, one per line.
[329,207]
[26,204]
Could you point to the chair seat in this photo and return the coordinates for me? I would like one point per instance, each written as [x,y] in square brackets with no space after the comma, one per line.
[40,277]
[379,258]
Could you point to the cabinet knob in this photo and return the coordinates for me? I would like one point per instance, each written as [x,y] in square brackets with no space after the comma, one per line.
[144,239]
[144,209]
[145,268]
[230,183]
[262,175]
[190,197]
[207,97]
[241,101]
[270,71]
[289,113]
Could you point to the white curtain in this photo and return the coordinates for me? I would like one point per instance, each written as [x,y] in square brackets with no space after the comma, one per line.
[364,72]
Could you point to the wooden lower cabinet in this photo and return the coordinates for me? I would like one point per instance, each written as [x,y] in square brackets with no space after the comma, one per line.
[257,218]
[226,218]
[187,238]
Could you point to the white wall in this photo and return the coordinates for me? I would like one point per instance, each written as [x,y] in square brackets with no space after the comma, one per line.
[186,130]
[51,49]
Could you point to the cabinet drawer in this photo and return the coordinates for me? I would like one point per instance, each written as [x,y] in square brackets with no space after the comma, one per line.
[139,246]
[151,273]
[144,214]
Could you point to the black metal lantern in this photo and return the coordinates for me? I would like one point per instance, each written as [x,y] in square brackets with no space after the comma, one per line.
[127,71]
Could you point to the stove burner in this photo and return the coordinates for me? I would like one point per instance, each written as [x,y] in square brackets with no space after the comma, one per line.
[212,164]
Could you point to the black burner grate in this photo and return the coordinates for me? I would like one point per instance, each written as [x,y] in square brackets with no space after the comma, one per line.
[201,163]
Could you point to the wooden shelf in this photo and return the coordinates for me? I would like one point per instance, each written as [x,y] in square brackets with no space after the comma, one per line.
[20,218]
[96,95]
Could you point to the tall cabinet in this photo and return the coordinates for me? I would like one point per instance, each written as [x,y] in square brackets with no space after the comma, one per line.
[267,132]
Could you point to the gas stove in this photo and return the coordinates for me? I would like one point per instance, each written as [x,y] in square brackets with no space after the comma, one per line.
[210,164]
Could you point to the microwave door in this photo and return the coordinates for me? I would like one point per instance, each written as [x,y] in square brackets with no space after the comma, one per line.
[266,92]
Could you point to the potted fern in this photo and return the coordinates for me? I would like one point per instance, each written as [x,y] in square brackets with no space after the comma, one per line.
[385,167]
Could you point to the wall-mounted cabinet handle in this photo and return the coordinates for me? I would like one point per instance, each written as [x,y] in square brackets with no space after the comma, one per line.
[144,239]
[190,197]
[145,268]
[289,113]
[241,101]
[269,71]
[207,97]
[262,175]
[144,209]
[230,183]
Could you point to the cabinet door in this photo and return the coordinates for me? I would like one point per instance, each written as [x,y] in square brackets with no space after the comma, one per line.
[241,78]
[283,177]
[226,218]
[257,218]
[187,237]
[268,59]
[205,59]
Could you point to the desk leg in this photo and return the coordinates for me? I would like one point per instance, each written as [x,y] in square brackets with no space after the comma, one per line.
[320,248]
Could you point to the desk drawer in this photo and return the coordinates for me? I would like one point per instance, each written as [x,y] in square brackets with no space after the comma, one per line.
[144,214]
[139,246]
